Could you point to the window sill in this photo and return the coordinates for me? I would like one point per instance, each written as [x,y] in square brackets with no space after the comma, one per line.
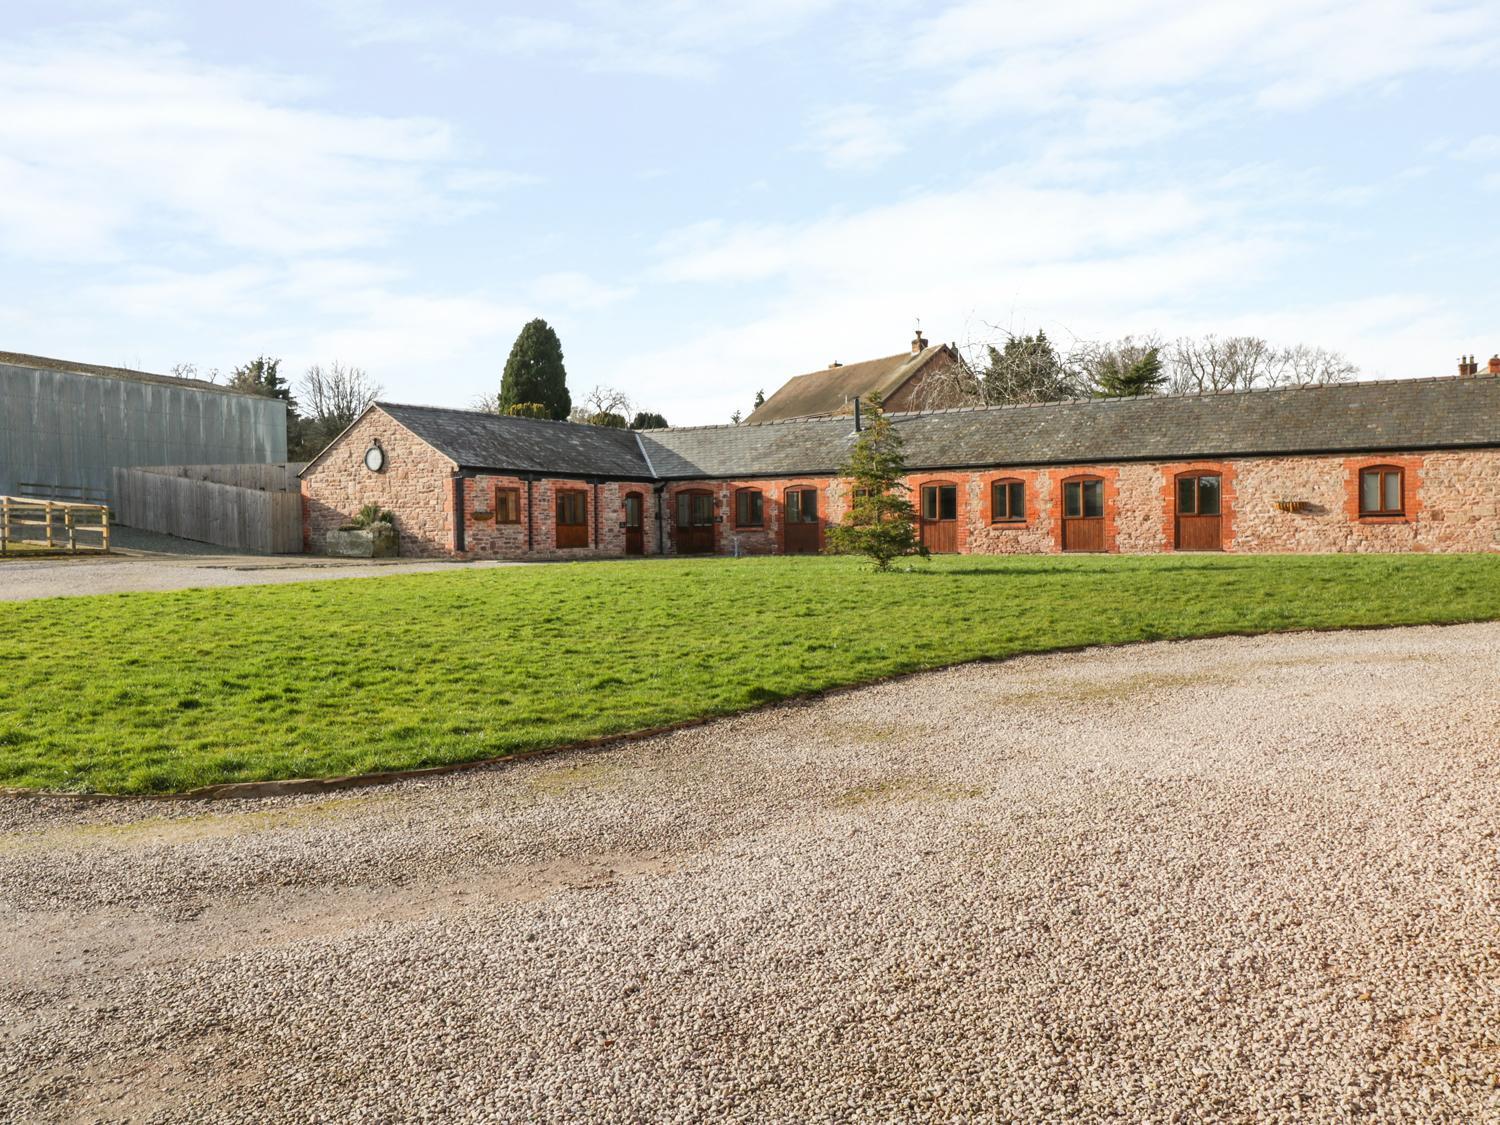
[1398,518]
[749,527]
[1009,524]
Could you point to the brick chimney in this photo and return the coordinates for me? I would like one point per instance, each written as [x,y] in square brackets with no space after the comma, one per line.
[1494,366]
[919,343]
[1467,365]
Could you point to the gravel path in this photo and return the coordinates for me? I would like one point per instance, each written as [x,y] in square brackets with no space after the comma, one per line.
[68,577]
[1218,880]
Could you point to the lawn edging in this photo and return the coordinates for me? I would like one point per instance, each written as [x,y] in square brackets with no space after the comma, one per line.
[296,786]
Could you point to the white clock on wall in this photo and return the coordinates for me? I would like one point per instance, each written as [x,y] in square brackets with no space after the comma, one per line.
[375,458]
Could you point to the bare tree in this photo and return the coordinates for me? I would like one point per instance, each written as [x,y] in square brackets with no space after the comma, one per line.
[1240,363]
[334,397]
[606,400]
[190,371]
[947,385]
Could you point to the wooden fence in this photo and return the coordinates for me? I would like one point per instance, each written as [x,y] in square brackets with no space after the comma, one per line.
[31,526]
[243,507]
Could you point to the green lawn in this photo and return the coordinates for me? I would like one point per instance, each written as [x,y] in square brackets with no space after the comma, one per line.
[157,692]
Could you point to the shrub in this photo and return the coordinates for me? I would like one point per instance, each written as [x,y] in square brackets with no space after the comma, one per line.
[372,514]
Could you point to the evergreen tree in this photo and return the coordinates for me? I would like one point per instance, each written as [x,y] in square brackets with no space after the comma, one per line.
[648,420]
[535,373]
[760,399]
[1122,374]
[262,376]
[1027,369]
[608,418]
[881,522]
[527,410]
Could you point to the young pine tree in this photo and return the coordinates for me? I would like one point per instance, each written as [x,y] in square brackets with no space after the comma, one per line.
[881,523]
[535,373]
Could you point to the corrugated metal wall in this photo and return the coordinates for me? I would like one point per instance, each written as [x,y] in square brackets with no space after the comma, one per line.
[71,431]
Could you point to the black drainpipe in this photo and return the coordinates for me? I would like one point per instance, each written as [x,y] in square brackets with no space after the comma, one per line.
[596,516]
[661,525]
[858,422]
[458,512]
[530,537]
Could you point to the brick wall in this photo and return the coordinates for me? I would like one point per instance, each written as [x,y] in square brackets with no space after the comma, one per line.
[770,538]
[535,534]
[415,485]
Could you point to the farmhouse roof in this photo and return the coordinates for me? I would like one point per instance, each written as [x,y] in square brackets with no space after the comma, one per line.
[1373,417]
[45,363]
[481,440]
[831,390]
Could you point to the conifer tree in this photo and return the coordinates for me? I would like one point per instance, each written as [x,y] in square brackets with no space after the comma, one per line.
[881,523]
[535,373]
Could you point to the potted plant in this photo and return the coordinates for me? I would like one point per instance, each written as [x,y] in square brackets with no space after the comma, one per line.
[369,535]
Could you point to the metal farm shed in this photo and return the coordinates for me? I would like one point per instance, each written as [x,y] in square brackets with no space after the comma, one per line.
[65,427]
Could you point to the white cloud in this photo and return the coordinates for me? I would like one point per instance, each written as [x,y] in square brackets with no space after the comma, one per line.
[104,144]
[576,290]
[855,137]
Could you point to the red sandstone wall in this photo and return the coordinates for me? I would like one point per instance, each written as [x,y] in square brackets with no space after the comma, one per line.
[486,538]
[416,485]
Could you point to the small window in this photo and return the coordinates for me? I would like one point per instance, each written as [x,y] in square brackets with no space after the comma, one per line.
[802,506]
[749,508]
[1380,492]
[939,502]
[1083,499]
[1198,495]
[1008,502]
[572,508]
[507,505]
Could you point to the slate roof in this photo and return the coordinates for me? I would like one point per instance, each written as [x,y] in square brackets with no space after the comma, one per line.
[479,440]
[831,390]
[1407,414]
[1351,417]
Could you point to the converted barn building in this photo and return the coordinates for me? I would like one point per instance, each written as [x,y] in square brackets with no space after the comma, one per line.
[928,377]
[65,427]
[1409,465]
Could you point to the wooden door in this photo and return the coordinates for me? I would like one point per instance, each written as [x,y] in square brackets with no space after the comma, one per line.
[695,522]
[802,530]
[1083,514]
[1199,522]
[939,518]
[572,518]
[635,535]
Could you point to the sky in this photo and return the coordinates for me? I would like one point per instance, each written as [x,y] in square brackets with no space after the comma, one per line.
[705,199]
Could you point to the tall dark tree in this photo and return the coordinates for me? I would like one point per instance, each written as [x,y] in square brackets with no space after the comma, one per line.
[535,373]
[262,376]
[760,399]
[881,521]
[648,420]
[1026,369]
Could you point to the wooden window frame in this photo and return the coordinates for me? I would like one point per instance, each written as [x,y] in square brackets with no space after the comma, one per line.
[1010,517]
[937,486]
[1381,472]
[569,495]
[797,490]
[512,498]
[748,492]
[1081,481]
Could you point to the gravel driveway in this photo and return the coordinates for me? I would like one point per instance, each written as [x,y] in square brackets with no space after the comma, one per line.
[1217,880]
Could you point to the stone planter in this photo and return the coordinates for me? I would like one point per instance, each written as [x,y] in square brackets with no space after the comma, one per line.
[377,541]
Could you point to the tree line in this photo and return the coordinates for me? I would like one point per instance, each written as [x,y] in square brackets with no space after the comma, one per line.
[1031,368]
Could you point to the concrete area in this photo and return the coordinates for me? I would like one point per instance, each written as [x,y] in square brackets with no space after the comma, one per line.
[143,561]
[1215,881]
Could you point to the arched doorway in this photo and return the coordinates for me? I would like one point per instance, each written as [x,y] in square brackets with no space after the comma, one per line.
[938,523]
[635,535]
[1199,506]
[1083,514]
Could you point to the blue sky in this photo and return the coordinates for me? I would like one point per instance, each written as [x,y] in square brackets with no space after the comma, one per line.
[705,201]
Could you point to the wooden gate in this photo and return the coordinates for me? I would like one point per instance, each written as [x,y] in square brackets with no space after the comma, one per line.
[1199,522]
[635,539]
[802,531]
[572,518]
[1083,514]
[695,522]
[939,518]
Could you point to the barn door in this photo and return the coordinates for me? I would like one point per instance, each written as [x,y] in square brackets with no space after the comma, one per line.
[695,522]
[1083,514]
[635,537]
[1199,522]
[572,518]
[801,521]
[939,518]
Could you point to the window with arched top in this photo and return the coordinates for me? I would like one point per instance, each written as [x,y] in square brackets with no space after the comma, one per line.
[1382,491]
[749,508]
[1008,501]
